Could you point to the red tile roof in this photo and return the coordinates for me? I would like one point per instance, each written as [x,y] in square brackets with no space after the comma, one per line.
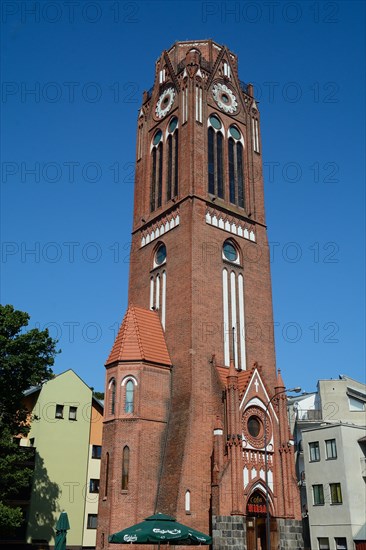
[140,338]
[243,377]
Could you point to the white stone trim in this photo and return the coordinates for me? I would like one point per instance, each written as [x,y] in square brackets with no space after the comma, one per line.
[230,227]
[163,226]
[225,295]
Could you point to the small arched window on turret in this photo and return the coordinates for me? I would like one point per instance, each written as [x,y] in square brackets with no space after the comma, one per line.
[236,166]
[130,388]
[112,395]
[172,145]
[215,163]
[156,170]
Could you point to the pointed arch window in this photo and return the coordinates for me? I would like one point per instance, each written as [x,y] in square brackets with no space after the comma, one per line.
[112,395]
[130,390]
[215,140]
[235,159]
[172,145]
[156,170]
[187,501]
[125,467]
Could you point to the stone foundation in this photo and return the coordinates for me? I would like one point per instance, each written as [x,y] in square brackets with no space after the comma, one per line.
[290,531]
[229,532]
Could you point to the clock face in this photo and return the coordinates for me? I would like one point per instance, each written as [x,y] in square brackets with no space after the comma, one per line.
[224,98]
[165,102]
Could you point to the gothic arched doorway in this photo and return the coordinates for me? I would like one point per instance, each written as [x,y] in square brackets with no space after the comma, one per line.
[256,523]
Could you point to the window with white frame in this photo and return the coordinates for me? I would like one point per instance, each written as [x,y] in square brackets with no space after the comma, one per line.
[314,451]
[331,449]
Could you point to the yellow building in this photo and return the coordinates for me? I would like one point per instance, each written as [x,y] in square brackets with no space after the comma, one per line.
[66,434]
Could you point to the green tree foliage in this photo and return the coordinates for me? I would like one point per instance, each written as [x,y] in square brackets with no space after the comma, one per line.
[26,358]
[98,395]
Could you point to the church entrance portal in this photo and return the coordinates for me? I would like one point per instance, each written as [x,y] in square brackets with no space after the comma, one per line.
[256,523]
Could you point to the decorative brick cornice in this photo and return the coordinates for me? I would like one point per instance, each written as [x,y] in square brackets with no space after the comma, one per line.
[231,225]
[159,228]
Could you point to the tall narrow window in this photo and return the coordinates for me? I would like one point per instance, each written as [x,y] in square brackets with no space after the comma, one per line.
[156,170]
[211,161]
[112,395]
[215,163]
[236,165]
[187,502]
[125,467]
[255,134]
[106,474]
[160,175]
[172,175]
[129,396]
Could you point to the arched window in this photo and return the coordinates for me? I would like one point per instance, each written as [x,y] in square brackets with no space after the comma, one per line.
[230,252]
[187,501]
[172,144]
[130,387]
[106,474]
[112,395]
[156,170]
[125,467]
[235,158]
[215,157]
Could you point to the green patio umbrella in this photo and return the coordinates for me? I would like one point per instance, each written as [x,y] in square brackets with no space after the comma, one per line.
[160,529]
[62,526]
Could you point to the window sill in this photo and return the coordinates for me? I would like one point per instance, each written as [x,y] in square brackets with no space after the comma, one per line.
[336,503]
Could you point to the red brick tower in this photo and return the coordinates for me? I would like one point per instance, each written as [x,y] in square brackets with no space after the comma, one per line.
[186,399]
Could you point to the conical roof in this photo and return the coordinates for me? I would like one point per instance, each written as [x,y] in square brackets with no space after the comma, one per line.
[140,338]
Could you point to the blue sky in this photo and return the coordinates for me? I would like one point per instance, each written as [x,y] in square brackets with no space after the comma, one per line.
[72,81]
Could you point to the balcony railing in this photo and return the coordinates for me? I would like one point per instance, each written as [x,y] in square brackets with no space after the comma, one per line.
[309,414]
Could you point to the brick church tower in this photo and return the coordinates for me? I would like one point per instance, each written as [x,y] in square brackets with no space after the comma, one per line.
[192,370]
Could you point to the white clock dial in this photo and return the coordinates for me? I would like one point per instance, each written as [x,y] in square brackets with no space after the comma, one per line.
[224,98]
[165,102]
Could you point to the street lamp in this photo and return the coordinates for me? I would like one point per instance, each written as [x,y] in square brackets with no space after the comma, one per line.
[268,532]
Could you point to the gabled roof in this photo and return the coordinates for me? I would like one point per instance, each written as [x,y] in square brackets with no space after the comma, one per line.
[140,338]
